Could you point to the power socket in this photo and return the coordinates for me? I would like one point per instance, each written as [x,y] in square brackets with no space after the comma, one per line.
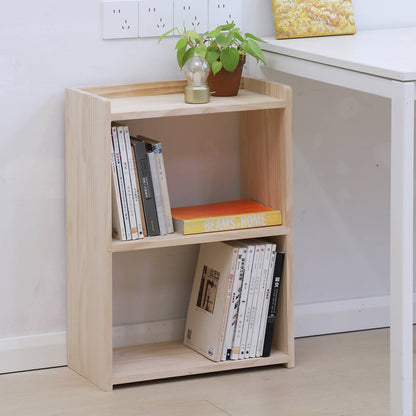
[155,17]
[120,19]
[221,12]
[191,14]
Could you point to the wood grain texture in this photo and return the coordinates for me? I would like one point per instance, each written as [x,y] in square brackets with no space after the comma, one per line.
[173,359]
[88,237]
[266,175]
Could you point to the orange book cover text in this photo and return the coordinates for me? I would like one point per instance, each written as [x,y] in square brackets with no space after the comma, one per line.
[224,216]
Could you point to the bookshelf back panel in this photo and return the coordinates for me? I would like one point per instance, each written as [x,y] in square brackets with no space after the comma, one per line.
[201,154]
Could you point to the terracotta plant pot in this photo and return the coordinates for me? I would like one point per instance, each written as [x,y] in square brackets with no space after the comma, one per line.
[224,83]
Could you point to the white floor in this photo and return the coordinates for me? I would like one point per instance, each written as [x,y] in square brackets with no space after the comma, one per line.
[335,375]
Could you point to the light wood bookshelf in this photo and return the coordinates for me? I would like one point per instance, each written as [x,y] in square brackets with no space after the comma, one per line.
[265,114]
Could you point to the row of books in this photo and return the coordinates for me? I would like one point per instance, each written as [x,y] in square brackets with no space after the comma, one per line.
[141,205]
[233,303]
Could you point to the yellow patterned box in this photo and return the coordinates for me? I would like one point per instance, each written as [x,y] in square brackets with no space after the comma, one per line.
[306,18]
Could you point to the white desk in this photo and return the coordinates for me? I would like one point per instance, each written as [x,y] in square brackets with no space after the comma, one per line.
[379,62]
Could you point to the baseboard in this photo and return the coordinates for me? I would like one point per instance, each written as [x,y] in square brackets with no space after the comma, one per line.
[49,350]
[343,316]
[32,352]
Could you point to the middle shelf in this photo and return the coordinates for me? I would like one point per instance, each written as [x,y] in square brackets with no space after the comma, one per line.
[176,239]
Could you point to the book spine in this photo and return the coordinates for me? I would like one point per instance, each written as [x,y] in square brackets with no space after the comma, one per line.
[274,297]
[146,188]
[117,212]
[234,305]
[231,222]
[265,310]
[250,296]
[156,189]
[239,339]
[228,299]
[160,164]
[133,182]
[257,278]
[121,183]
[139,194]
[127,183]
[260,298]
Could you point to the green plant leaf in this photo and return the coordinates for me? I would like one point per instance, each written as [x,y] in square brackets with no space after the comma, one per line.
[221,40]
[214,33]
[181,43]
[250,36]
[192,34]
[229,26]
[201,50]
[216,67]
[212,56]
[165,34]
[188,54]
[254,50]
[229,58]
[179,56]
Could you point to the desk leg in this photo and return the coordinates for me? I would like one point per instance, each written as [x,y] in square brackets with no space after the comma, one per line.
[401,249]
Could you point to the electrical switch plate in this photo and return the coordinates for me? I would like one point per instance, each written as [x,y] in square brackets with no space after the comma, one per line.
[221,12]
[120,19]
[191,14]
[155,17]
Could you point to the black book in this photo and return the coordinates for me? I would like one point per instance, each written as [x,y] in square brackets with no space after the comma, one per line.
[274,297]
[146,187]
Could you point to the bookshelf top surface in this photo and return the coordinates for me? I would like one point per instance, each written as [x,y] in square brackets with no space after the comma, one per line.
[165,99]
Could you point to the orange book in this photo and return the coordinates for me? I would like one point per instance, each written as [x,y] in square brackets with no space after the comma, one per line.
[224,216]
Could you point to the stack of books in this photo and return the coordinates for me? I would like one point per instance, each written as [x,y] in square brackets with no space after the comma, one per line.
[141,205]
[233,303]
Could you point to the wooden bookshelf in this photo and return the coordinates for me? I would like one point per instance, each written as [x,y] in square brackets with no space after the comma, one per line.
[265,118]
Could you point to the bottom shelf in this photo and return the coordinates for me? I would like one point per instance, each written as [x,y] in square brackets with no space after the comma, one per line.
[173,359]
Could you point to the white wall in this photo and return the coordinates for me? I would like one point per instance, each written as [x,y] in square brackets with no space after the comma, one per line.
[50,45]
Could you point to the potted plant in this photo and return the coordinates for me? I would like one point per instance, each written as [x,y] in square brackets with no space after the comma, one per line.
[225,50]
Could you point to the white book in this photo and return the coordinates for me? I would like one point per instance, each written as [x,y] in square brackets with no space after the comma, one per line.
[265,311]
[249,301]
[135,191]
[127,183]
[257,268]
[160,165]
[119,230]
[210,299]
[260,298]
[121,182]
[234,302]
[238,344]
[156,189]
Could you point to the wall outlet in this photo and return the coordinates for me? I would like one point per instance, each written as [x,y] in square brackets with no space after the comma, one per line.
[221,12]
[155,17]
[193,14]
[120,19]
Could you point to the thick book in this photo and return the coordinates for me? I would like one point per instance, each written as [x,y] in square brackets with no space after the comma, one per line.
[210,299]
[160,165]
[274,297]
[120,177]
[224,216]
[146,187]
[156,188]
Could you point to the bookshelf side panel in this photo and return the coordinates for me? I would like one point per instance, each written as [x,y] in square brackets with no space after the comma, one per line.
[88,237]
[267,176]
